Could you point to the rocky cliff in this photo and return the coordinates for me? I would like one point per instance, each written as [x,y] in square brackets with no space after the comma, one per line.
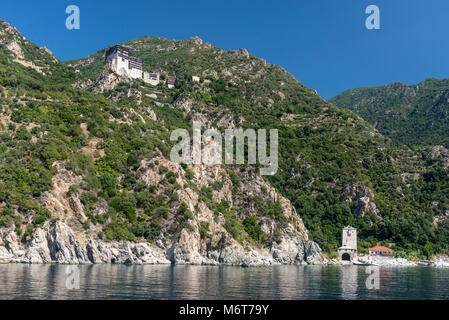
[150,210]
[64,240]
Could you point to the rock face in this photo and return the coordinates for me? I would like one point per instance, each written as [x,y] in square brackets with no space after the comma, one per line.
[64,240]
[55,242]
[108,80]
[184,103]
[439,218]
[440,154]
[219,247]
[363,199]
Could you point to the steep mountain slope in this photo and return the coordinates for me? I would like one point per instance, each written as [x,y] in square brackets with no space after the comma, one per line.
[85,166]
[86,179]
[413,114]
[335,168]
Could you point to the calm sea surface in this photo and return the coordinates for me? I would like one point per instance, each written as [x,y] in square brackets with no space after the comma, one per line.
[19,281]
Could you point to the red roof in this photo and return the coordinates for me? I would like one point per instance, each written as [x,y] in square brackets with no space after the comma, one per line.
[380,248]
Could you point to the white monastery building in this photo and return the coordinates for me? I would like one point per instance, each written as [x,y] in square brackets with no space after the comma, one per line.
[120,60]
[170,81]
[151,78]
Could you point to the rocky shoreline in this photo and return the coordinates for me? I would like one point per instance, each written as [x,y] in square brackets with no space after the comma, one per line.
[56,243]
[65,239]
[437,262]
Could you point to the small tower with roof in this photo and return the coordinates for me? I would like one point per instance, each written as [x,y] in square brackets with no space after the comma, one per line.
[348,249]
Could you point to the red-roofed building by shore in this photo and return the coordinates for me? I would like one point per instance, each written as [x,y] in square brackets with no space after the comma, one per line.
[380,251]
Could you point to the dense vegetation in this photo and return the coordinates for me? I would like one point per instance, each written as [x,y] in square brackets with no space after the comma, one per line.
[415,114]
[322,149]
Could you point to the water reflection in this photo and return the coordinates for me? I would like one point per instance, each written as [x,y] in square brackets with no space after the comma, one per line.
[348,282]
[19,281]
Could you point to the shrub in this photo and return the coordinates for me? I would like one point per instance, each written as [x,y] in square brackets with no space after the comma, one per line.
[234,227]
[203,229]
[118,230]
[189,174]
[253,230]
[184,214]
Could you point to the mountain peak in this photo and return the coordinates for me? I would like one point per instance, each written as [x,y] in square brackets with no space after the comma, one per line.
[411,114]
[8,32]
[240,53]
[197,40]
[23,51]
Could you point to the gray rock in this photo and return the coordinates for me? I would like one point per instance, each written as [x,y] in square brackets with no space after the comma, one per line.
[363,197]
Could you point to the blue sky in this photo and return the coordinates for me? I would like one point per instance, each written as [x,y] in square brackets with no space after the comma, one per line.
[323,43]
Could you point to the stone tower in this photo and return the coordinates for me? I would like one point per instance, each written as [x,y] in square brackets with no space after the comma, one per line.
[349,237]
[348,249]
